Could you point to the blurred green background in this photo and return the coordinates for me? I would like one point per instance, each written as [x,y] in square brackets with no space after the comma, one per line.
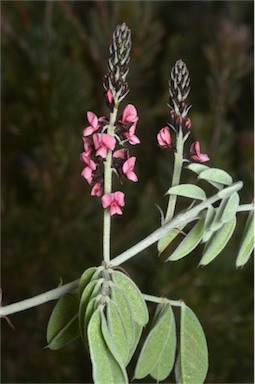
[54,55]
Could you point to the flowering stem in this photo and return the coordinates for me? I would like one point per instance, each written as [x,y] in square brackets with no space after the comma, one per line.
[108,189]
[178,160]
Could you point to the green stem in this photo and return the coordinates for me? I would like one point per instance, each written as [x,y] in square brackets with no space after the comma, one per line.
[160,300]
[108,189]
[145,243]
[178,160]
[53,294]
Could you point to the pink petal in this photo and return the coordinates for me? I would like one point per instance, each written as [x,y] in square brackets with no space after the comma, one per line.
[109,141]
[107,200]
[130,114]
[164,137]
[115,210]
[121,153]
[87,174]
[119,198]
[92,119]
[97,190]
[129,164]
[132,139]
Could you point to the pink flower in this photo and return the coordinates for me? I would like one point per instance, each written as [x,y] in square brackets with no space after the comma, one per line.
[87,172]
[115,201]
[128,169]
[129,114]
[164,138]
[132,139]
[195,153]
[97,190]
[88,146]
[93,121]
[103,142]
[121,154]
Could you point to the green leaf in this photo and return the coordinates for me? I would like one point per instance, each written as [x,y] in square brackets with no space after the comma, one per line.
[218,242]
[230,208]
[190,242]
[90,291]
[134,296]
[247,242]
[193,359]
[116,327]
[165,363]
[166,240]
[199,168]
[216,175]
[63,326]
[123,306]
[187,190]
[87,276]
[90,309]
[155,343]
[105,367]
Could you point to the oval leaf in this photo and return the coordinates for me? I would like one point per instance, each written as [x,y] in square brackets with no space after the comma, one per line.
[86,277]
[193,360]
[154,343]
[165,363]
[116,328]
[216,175]
[105,368]
[134,296]
[218,242]
[188,190]
[63,325]
[190,242]
[247,242]
[123,306]
[199,168]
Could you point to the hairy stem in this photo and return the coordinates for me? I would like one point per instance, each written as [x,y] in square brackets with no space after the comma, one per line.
[178,160]
[53,294]
[108,189]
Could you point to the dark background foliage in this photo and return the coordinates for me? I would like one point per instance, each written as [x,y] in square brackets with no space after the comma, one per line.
[54,55]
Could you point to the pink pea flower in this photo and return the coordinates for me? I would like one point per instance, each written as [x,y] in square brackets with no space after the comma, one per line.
[115,201]
[103,142]
[164,138]
[87,172]
[121,154]
[128,169]
[132,139]
[129,114]
[195,153]
[88,146]
[97,190]
[94,124]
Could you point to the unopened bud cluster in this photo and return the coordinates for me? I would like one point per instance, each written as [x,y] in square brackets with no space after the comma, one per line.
[115,83]
[179,88]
